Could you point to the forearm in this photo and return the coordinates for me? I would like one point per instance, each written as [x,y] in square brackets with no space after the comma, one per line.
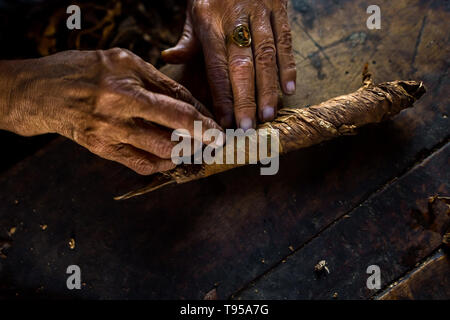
[8,114]
[19,110]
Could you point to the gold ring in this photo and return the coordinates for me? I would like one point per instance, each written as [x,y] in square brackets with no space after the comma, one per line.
[241,36]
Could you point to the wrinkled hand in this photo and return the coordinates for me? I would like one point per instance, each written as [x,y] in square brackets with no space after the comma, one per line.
[232,69]
[111,102]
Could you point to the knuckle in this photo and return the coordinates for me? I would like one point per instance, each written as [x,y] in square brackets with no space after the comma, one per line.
[90,140]
[180,92]
[220,85]
[209,123]
[163,149]
[113,51]
[270,91]
[218,71]
[117,52]
[287,63]
[265,52]
[222,103]
[95,145]
[285,38]
[145,100]
[87,133]
[241,62]
[200,7]
[290,66]
[95,134]
[121,55]
[244,104]
[143,166]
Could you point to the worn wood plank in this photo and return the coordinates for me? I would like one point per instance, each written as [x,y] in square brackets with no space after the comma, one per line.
[18,148]
[227,230]
[394,229]
[431,281]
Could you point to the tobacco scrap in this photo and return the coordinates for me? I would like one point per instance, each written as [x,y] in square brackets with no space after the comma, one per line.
[446,239]
[432,199]
[321,266]
[211,295]
[4,245]
[12,231]
[72,243]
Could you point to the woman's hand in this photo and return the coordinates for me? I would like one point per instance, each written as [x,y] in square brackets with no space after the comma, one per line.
[111,102]
[231,69]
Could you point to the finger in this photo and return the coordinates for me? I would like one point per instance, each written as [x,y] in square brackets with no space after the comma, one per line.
[149,138]
[169,112]
[242,77]
[216,63]
[135,159]
[156,81]
[171,88]
[283,40]
[193,77]
[187,47]
[264,52]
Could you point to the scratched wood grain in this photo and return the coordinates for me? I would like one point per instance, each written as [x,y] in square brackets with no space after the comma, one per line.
[430,281]
[394,229]
[227,230]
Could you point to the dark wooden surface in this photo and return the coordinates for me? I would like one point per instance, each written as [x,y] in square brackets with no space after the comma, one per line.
[354,201]
[393,229]
[431,280]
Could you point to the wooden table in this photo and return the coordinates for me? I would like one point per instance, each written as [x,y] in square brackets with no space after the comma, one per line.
[353,202]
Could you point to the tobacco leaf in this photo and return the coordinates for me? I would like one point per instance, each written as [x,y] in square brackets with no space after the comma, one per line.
[304,127]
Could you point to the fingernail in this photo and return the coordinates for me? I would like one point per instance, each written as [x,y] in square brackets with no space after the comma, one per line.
[226,121]
[290,87]
[268,113]
[246,123]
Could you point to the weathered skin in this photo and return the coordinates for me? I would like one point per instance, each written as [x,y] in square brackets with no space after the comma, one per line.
[111,102]
[122,109]
[244,81]
[303,127]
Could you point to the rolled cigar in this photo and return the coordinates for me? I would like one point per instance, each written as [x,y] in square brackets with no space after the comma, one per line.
[299,128]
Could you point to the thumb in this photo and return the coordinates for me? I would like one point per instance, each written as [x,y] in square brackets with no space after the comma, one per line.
[186,48]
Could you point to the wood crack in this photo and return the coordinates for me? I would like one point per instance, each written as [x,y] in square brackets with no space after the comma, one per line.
[416,48]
